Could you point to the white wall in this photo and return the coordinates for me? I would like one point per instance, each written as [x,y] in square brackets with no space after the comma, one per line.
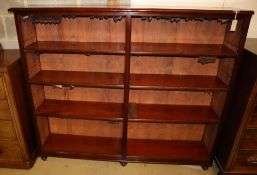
[249,5]
[8,36]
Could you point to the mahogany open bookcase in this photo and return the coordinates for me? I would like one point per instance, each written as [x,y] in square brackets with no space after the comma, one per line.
[127,84]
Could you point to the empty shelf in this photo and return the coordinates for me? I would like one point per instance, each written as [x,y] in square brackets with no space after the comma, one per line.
[172,113]
[166,151]
[86,79]
[181,49]
[177,82]
[77,47]
[81,110]
[92,147]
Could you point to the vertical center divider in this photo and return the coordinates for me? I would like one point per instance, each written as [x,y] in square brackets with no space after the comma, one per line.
[126,85]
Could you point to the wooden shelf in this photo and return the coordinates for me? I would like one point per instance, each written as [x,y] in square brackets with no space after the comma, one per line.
[92,147]
[166,151]
[172,113]
[180,49]
[81,110]
[177,82]
[144,49]
[86,79]
[77,47]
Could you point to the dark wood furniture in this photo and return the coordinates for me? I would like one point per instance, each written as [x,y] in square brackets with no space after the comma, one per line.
[237,150]
[17,143]
[128,84]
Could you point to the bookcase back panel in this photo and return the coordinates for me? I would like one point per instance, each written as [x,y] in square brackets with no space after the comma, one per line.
[79,62]
[163,31]
[28,32]
[170,97]
[82,29]
[85,127]
[177,66]
[165,131]
[84,94]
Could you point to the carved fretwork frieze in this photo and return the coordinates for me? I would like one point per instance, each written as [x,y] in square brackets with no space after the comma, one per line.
[224,21]
[56,19]
[177,19]
[70,16]
[115,18]
[46,19]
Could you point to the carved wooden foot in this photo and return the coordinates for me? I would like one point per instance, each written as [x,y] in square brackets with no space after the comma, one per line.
[43,157]
[205,167]
[123,163]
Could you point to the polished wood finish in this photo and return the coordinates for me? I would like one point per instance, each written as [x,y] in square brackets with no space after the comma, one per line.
[92,147]
[138,112]
[76,47]
[133,74]
[10,151]
[82,110]
[87,8]
[85,79]
[237,148]
[158,131]
[177,49]
[2,92]
[5,112]
[172,113]
[176,82]
[9,59]
[17,139]
[166,151]
[138,81]
[7,130]
[84,127]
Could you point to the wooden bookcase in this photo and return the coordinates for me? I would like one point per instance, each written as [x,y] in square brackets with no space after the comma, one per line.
[127,84]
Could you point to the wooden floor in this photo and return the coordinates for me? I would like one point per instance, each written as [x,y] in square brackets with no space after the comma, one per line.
[63,166]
